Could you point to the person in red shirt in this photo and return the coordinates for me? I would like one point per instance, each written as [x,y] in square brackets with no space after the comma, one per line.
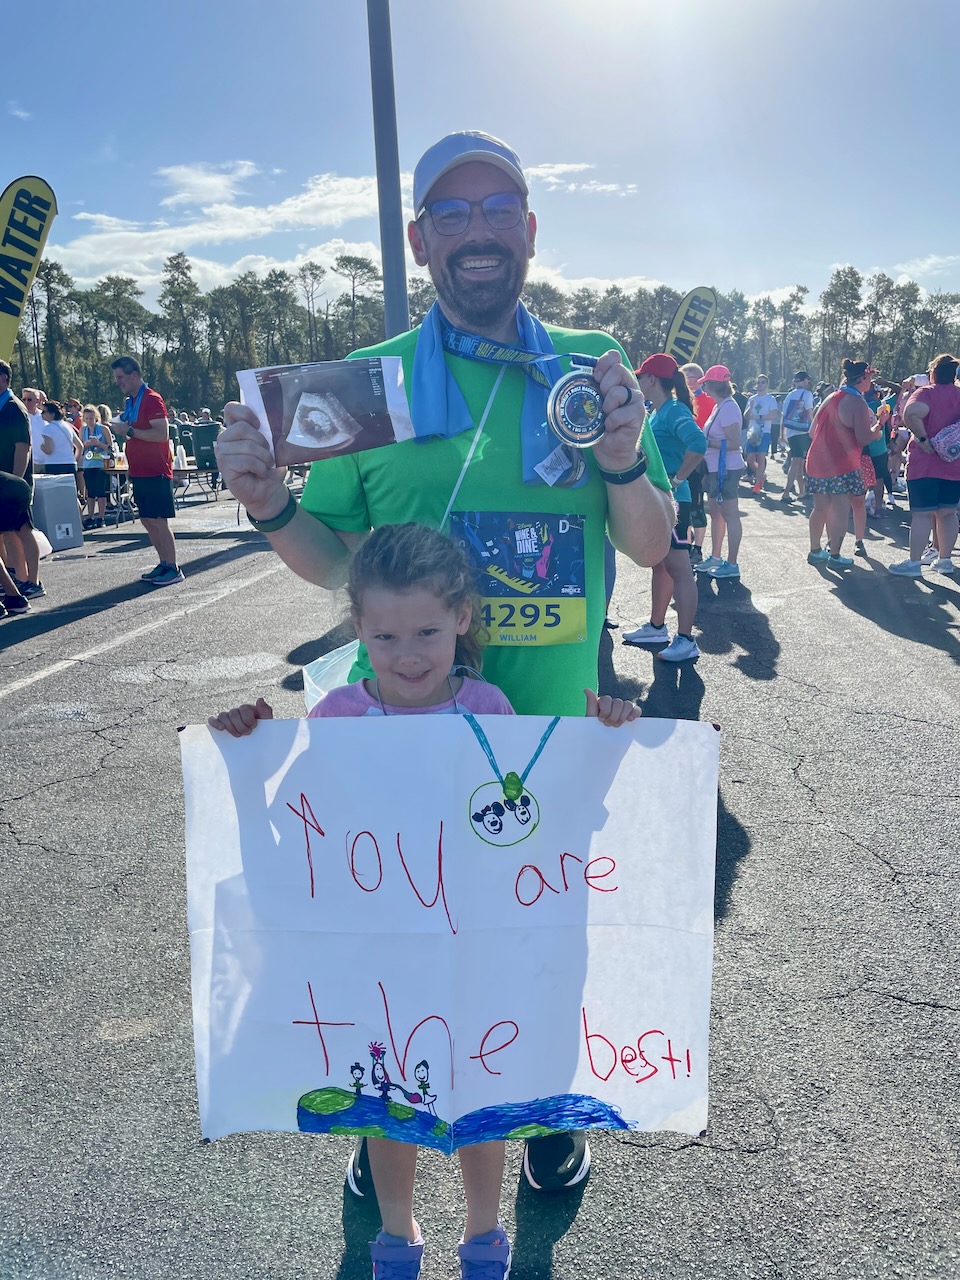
[143,424]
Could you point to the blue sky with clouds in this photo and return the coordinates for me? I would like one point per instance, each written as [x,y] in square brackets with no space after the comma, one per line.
[754,147]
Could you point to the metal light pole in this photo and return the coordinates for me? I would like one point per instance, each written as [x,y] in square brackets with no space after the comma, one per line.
[395,308]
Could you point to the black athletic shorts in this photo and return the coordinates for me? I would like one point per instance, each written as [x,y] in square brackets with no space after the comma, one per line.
[14,503]
[154,497]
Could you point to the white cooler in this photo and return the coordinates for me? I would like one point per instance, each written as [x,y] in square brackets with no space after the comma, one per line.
[56,510]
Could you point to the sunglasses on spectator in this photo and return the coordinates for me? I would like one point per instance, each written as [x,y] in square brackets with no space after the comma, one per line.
[452,217]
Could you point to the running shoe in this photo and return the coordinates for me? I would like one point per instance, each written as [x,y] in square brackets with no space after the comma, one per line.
[647,634]
[727,570]
[155,572]
[696,555]
[394,1258]
[170,575]
[708,565]
[860,549]
[907,569]
[15,604]
[32,590]
[680,649]
[839,562]
[930,556]
[786,496]
[941,566]
[556,1161]
[756,488]
[485,1257]
[818,557]
[359,1179]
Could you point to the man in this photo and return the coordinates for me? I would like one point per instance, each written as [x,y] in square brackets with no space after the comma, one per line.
[21,549]
[474,231]
[797,417]
[31,402]
[143,425]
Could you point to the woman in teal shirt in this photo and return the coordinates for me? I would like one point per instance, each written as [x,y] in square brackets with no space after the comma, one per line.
[682,445]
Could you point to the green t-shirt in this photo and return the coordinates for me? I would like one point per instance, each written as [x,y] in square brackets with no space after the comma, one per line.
[538,550]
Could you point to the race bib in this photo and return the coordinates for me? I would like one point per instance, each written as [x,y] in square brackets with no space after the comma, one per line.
[530,575]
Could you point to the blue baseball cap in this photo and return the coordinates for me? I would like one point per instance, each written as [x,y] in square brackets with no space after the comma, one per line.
[459,148]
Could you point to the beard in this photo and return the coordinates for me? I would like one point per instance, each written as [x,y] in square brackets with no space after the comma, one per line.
[480,304]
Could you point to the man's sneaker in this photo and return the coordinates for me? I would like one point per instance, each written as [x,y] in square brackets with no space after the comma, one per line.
[727,570]
[15,604]
[907,569]
[394,1258]
[708,565]
[941,566]
[839,562]
[358,1178]
[930,556]
[164,575]
[32,590]
[169,575]
[556,1161]
[818,557]
[647,634]
[680,649]
[485,1257]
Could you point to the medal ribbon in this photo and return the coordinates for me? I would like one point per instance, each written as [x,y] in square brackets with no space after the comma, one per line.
[488,750]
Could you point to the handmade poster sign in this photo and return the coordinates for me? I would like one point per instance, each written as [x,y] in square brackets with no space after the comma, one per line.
[444,930]
[313,411]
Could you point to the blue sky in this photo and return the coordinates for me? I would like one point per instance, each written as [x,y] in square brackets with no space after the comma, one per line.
[755,147]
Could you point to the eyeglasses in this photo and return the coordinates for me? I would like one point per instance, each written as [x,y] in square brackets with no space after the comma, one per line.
[452,217]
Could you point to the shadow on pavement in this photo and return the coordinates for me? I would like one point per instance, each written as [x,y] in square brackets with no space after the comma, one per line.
[728,620]
[733,845]
[542,1220]
[46,616]
[361,1222]
[917,609]
[341,634]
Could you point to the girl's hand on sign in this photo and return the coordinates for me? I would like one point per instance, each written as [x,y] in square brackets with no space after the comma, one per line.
[612,712]
[240,721]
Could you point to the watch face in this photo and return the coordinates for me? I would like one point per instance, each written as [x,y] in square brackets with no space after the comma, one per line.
[575,410]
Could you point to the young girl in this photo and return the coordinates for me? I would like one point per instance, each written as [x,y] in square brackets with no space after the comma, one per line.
[412,600]
[97,442]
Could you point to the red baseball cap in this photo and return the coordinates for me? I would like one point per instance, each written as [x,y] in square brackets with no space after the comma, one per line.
[660,366]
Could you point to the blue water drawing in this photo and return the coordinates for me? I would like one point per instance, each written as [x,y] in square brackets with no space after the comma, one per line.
[335,1110]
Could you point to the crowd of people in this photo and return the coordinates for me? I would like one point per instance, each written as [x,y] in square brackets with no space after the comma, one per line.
[103,449]
[849,453]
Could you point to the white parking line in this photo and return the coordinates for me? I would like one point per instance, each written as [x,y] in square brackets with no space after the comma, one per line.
[209,598]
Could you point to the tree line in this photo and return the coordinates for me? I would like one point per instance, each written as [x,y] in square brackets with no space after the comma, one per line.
[192,346]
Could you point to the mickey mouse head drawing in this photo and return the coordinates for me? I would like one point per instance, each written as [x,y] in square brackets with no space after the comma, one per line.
[503,813]
[490,817]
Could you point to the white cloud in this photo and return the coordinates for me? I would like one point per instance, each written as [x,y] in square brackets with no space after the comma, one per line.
[570,284]
[204,184]
[18,112]
[557,177]
[932,264]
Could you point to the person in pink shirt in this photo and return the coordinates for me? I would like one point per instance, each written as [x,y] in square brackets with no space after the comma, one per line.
[413,603]
[933,482]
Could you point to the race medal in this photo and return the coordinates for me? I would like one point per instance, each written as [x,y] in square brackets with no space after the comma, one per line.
[575,410]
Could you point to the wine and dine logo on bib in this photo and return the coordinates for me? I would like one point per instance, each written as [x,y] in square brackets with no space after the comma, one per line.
[530,571]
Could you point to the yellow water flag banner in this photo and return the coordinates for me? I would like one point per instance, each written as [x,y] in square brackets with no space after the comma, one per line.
[690,322]
[27,208]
